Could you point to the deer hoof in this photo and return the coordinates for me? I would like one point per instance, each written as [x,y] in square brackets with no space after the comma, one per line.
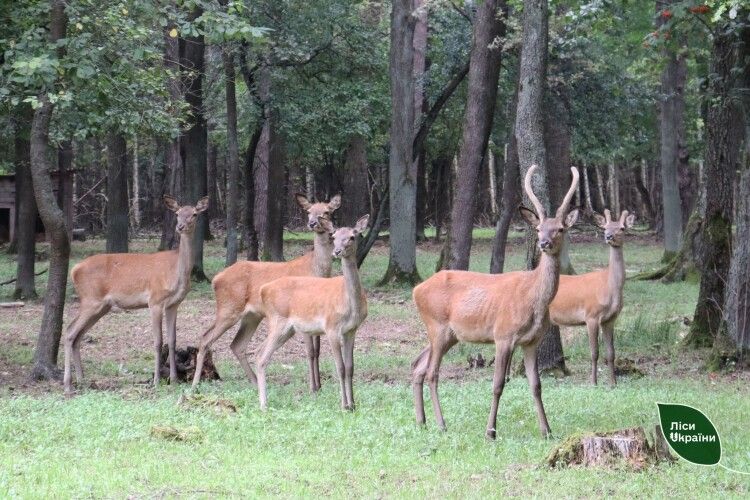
[491,434]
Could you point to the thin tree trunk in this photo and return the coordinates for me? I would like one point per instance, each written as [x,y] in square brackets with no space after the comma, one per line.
[737,302]
[273,245]
[484,71]
[233,163]
[587,189]
[212,181]
[194,145]
[420,106]
[135,209]
[600,188]
[354,183]
[509,201]
[251,236]
[672,128]
[26,212]
[643,193]
[48,341]
[117,193]
[613,186]
[402,265]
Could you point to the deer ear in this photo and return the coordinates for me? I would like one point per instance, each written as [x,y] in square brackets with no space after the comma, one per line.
[529,216]
[335,202]
[326,225]
[202,205]
[302,201]
[171,203]
[629,221]
[571,218]
[361,224]
[600,220]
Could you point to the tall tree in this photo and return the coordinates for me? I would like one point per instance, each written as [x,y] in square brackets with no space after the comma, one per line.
[194,141]
[233,164]
[723,138]
[356,201]
[484,71]
[402,265]
[48,341]
[672,131]
[26,208]
[531,145]
[117,193]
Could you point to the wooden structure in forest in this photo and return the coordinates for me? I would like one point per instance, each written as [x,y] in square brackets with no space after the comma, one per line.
[63,192]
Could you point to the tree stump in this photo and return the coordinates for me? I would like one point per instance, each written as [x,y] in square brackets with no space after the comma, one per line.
[606,449]
[186,359]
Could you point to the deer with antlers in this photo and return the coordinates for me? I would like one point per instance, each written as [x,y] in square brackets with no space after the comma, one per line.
[508,310]
[237,292]
[334,307]
[595,299]
[159,281]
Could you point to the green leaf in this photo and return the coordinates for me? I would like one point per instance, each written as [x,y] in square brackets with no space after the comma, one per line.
[690,433]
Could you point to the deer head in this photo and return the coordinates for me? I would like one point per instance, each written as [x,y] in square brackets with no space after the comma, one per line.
[317,211]
[186,215]
[614,231]
[345,238]
[550,230]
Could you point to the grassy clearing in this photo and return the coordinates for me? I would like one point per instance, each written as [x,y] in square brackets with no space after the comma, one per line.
[101,444]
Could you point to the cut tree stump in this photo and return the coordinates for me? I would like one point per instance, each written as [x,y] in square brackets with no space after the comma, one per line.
[186,359]
[606,449]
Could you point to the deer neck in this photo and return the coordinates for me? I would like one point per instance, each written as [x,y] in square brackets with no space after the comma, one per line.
[184,261]
[616,275]
[322,250]
[355,293]
[547,280]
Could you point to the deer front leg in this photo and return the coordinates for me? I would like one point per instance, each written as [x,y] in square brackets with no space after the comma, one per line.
[239,345]
[278,333]
[608,332]
[439,347]
[338,358]
[592,326]
[171,318]
[532,374]
[311,359]
[349,368]
[156,315]
[418,371]
[502,360]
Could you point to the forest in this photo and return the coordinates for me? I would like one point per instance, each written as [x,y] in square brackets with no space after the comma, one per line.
[452,181]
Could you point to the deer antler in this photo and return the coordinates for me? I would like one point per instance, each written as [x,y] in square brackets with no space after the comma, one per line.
[530,193]
[607,216]
[623,216]
[569,196]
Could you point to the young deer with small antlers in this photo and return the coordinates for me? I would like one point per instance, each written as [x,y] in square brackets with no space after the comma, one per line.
[237,291]
[508,310]
[159,281]
[595,299]
[334,307]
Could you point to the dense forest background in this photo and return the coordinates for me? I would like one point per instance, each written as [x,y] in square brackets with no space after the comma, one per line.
[423,113]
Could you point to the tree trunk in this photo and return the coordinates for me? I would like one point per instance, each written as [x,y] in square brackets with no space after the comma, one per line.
[135,209]
[420,107]
[273,244]
[48,342]
[173,159]
[509,201]
[117,193]
[723,137]
[356,202]
[402,265]
[26,213]
[672,128]
[613,187]
[643,193]
[250,235]
[195,139]
[233,163]
[484,71]
[600,189]
[531,146]
[212,182]
[586,188]
[737,302]
[261,161]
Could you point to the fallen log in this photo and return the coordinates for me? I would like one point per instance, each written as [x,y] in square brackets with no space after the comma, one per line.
[186,359]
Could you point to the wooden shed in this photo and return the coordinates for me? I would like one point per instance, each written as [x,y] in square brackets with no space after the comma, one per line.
[63,191]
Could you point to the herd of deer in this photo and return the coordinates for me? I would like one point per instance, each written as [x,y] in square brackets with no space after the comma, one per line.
[300,296]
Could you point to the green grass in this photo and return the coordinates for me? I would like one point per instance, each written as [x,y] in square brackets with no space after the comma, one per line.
[99,444]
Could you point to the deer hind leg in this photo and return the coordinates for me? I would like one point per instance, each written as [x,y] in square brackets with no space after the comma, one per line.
[87,317]
[156,316]
[171,320]
[279,331]
[418,372]
[349,368]
[532,374]
[241,340]
[440,345]
[222,323]
[312,346]
[593,329]
[503,354]
[608,333]
[334,340]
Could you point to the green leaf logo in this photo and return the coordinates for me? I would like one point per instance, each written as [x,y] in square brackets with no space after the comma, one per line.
[690,434]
